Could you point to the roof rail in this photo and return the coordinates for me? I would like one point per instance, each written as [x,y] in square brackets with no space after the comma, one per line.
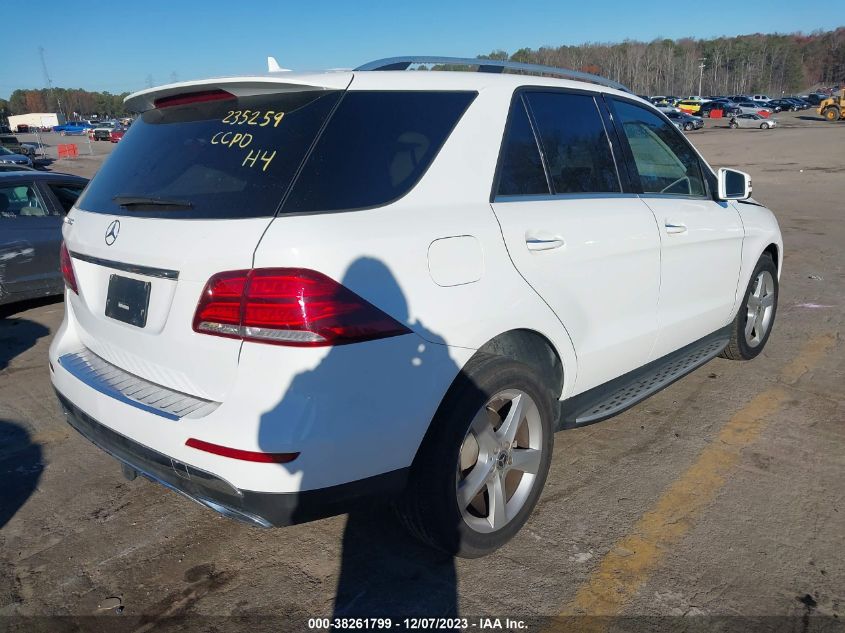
[489,66]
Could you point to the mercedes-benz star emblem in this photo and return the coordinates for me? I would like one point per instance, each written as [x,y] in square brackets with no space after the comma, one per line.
[112,232]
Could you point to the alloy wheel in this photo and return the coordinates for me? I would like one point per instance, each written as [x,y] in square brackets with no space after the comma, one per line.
[760,308]
[499,460]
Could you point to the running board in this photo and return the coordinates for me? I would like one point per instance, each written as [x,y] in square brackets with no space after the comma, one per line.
[616,396]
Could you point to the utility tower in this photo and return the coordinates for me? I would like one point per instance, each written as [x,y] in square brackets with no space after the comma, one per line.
[49,81]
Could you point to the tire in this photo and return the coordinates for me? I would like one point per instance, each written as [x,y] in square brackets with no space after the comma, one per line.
[430,508]
[764,126]
[745,345]
[733,125]
[831,114]
[688,127]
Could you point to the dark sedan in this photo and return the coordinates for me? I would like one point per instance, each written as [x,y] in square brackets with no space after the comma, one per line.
[784,104]
[8,157]
[684,121]
[32,207]
[13,167]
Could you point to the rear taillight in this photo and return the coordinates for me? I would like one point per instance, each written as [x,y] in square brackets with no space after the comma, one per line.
[67,269]
[289,306]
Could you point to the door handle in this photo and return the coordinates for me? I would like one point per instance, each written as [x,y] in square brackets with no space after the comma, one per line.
[674,228]
[543,241]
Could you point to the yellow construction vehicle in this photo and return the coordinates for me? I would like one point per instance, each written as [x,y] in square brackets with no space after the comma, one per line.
[833,108]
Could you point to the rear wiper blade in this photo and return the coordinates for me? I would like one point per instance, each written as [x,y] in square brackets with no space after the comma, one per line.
[129,202]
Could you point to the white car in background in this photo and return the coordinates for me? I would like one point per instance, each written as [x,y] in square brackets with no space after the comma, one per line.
[437,272]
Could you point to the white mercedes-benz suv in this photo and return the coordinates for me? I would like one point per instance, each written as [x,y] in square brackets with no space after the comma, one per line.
[289,292]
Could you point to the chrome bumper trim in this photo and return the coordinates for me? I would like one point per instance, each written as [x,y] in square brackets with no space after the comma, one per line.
[130,389]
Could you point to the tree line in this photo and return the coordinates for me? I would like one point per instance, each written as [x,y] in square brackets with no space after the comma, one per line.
[67,100]
[745,64]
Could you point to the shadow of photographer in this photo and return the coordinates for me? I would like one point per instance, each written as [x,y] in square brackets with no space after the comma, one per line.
[384,571]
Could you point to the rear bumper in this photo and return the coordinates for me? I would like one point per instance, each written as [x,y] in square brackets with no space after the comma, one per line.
[256,508]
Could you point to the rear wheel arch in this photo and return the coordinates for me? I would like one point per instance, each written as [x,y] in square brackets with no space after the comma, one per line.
[525,346]
[772,251]
[530,348]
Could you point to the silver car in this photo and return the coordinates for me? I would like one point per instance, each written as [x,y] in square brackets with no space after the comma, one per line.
[752,120]
[749,107]
[32,207]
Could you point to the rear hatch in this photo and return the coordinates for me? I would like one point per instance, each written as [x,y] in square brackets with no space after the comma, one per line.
[186,194]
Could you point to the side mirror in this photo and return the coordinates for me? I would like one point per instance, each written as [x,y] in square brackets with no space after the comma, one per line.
[733,184]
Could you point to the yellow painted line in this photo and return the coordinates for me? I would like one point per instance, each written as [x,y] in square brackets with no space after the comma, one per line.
[626,567]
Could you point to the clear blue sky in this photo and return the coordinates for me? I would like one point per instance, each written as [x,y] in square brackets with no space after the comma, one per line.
[99,47]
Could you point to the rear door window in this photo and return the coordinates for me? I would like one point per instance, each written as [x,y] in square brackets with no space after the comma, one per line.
[18,201]
[231,158]
[665,162]
[575,145]
[375,148]
[521,170]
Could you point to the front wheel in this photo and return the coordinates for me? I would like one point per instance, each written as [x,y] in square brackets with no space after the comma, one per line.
[753,323]
[733,125]
[831,114]
[688,127]
[484,461]
[764,126]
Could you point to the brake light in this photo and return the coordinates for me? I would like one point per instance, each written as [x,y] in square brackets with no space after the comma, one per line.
[193,97]
[236,453]
[67,269]
[289,306]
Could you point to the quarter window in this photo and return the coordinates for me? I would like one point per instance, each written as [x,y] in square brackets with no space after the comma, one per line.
[575,145]
[66,194]
[665,162]
[375,148]
[521,172]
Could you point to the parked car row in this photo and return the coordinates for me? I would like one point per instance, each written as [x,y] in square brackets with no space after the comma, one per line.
[759,104]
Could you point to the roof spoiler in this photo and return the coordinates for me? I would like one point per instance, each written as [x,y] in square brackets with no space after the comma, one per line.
[279,81]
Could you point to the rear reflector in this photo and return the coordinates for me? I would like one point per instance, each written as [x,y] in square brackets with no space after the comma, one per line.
[67,268]
[193,97]
[235,453]
[289,306]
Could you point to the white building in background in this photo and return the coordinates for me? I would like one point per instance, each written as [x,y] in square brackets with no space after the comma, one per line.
[36,119]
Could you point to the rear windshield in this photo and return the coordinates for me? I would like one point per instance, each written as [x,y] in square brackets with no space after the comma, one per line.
[237,158]
[230,158]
